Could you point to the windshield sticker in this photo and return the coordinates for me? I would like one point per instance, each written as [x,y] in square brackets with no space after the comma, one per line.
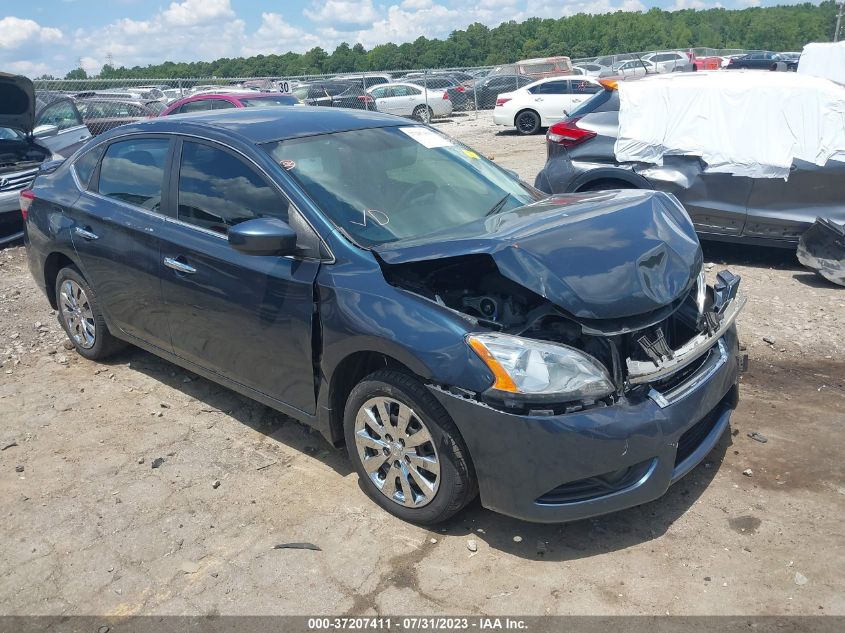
[425,137]
[288,164]
[471,154]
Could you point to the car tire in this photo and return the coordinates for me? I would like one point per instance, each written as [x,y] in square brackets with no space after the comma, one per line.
[527,122]
[423,113]
[448,482]
[80,316]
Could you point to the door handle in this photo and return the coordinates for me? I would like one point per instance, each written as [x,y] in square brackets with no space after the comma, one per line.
[85,234]
[178,266]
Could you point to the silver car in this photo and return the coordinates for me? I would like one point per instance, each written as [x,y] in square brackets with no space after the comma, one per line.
[32,129]
[769,211]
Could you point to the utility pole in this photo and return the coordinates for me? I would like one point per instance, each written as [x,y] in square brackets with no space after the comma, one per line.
[838,21]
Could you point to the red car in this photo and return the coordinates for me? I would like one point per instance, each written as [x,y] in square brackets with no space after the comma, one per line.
[221,101]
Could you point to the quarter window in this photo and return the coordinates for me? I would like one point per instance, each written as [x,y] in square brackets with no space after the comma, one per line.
[132,171]
[196,106]
[223,104]
[218,190]
[85,165]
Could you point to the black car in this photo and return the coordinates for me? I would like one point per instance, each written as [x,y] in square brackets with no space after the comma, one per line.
[763,60]
[488,89]
[767,211]
[411,300]
[334,94]
[103,114]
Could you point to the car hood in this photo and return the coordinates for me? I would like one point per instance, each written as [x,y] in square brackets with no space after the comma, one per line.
[600,255]
[17,103]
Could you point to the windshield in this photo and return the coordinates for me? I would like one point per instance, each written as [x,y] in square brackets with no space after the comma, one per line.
[381,185]
[264,102]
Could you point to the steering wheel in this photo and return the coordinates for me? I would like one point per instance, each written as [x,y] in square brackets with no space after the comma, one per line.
[417,192]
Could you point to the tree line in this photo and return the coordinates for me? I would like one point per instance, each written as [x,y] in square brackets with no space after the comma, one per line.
[778,28]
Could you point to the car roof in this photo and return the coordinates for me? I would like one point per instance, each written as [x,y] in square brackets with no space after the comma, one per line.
[263,125]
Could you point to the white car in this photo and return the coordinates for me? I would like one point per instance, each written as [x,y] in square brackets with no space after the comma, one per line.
[543,103]
[411,100]
[590,69]
[636,68]
[673,61]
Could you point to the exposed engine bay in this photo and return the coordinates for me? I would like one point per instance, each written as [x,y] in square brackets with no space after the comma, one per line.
[666,350]
[19,155]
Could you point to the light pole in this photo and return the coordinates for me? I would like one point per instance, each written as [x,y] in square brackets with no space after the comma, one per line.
[838,21]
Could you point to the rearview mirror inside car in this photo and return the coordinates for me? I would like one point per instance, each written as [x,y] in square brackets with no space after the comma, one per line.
[263,236]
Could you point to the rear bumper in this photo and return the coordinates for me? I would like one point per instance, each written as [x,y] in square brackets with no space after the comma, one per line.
[573,466]
[11,222]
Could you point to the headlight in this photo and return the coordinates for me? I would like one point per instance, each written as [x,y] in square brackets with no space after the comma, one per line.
[543,370]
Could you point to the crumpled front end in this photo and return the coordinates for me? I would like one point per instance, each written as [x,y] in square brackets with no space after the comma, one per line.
[822,248]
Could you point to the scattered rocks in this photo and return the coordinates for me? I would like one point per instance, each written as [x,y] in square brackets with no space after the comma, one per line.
[67,345]
[748,472]
[189,567]
[18,468]
[215,484]
[157,462]
[140,460]
[517,539]
[472,545]
[9,445]
[800,579]
[769,340]
[432,541]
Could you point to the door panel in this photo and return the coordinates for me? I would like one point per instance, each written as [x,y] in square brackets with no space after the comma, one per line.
[248,318]
[118,242]
[784,209]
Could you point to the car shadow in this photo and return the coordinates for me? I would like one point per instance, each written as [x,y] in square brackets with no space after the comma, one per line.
[558,542]
[263,419]
[813,280]
[726,253]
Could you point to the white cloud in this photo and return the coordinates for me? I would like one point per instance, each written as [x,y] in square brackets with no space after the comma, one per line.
[17,32]
[197,12]
[275,35]
[342,12]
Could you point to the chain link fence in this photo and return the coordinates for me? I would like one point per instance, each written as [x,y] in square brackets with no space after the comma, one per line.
[430,95]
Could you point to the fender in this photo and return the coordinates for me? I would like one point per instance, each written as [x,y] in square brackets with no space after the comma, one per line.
[608,173]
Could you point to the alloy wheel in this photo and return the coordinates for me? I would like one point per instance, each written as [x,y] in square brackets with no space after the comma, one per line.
[77,314]
[526,123]
[397,452]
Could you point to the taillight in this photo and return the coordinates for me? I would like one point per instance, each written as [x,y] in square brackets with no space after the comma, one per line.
[460,88]
[502,101]
[446,96]
[26,198]
[568,134]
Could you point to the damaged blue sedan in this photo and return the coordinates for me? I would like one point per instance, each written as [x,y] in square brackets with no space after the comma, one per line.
[459,332]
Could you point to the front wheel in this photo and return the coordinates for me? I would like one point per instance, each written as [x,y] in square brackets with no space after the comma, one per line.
[527,122]
[423,113]
[408,453]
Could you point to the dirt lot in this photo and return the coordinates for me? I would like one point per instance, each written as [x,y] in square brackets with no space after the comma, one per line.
[91,527]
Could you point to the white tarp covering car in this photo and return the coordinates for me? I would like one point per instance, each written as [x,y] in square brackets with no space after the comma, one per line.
[743,123]
[824,59]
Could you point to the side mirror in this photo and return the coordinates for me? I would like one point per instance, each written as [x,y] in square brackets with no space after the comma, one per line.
[43,131]
[263,236]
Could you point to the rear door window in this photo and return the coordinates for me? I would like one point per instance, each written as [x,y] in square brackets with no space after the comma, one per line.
[199,105]
[551,88]
[132,171]
[222,104]
[218,190]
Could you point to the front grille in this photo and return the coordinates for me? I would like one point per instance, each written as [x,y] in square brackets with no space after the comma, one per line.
[595,487]
[16,181]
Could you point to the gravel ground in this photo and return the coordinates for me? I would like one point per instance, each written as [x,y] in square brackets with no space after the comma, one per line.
[92,526]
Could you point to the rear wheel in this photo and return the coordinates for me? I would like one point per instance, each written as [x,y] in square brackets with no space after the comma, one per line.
[80,316]
[408,453]
[423,113]
[527,122]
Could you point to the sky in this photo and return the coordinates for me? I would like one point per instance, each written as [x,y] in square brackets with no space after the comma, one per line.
[52,36]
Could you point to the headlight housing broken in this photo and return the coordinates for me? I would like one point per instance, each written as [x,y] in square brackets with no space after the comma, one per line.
[538,370]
